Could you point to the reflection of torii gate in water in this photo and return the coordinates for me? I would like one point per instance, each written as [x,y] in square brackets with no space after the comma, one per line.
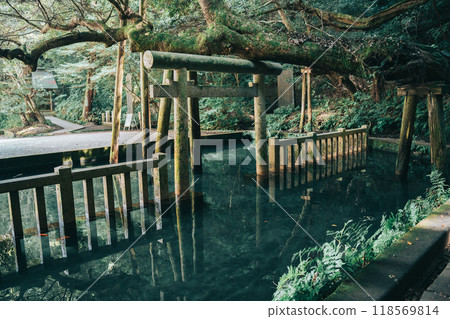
[185,96]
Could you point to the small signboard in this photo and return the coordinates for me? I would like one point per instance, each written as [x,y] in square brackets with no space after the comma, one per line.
[128,121]
[43,80]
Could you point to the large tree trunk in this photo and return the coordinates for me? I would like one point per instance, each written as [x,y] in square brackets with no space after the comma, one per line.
[34,109]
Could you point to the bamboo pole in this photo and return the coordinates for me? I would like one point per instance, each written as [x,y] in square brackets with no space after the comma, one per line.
[406,135]
[260,126]
[181,134]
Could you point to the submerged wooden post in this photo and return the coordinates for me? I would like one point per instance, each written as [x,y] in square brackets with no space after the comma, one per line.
[66,212]
[260,126]
[194,125]
[437,132]
[406,135]
[181,134]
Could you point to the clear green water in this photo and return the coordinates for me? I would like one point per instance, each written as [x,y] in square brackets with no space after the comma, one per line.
[233,245]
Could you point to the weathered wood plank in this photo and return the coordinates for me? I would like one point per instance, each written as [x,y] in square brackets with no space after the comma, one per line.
[17,231]
[112,169]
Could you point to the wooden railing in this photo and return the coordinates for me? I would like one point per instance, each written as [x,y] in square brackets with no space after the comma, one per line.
[335,151]
[63,178]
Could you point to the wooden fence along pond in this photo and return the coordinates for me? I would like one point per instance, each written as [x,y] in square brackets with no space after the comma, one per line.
[63,178]
[316,156]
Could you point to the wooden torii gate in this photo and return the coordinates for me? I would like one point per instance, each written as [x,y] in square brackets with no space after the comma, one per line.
[181,92]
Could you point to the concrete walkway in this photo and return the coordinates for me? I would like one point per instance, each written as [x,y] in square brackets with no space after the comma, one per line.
[13,147]
[66,125]
[440,288]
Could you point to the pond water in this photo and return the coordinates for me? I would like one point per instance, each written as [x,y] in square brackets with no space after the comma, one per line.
[233,243]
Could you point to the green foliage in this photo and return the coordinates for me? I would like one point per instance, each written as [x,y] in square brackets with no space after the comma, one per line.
[283,119]
[315,272]
[225,114]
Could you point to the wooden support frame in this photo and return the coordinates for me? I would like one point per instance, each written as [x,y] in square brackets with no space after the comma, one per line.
[436,125]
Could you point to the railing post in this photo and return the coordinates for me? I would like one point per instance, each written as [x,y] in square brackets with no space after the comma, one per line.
[310,160]
[66,212]
[89,207]
[342,141]
[41,224]
[274,156]
[110,213]
[17,231]
[364,144]
[127,205]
